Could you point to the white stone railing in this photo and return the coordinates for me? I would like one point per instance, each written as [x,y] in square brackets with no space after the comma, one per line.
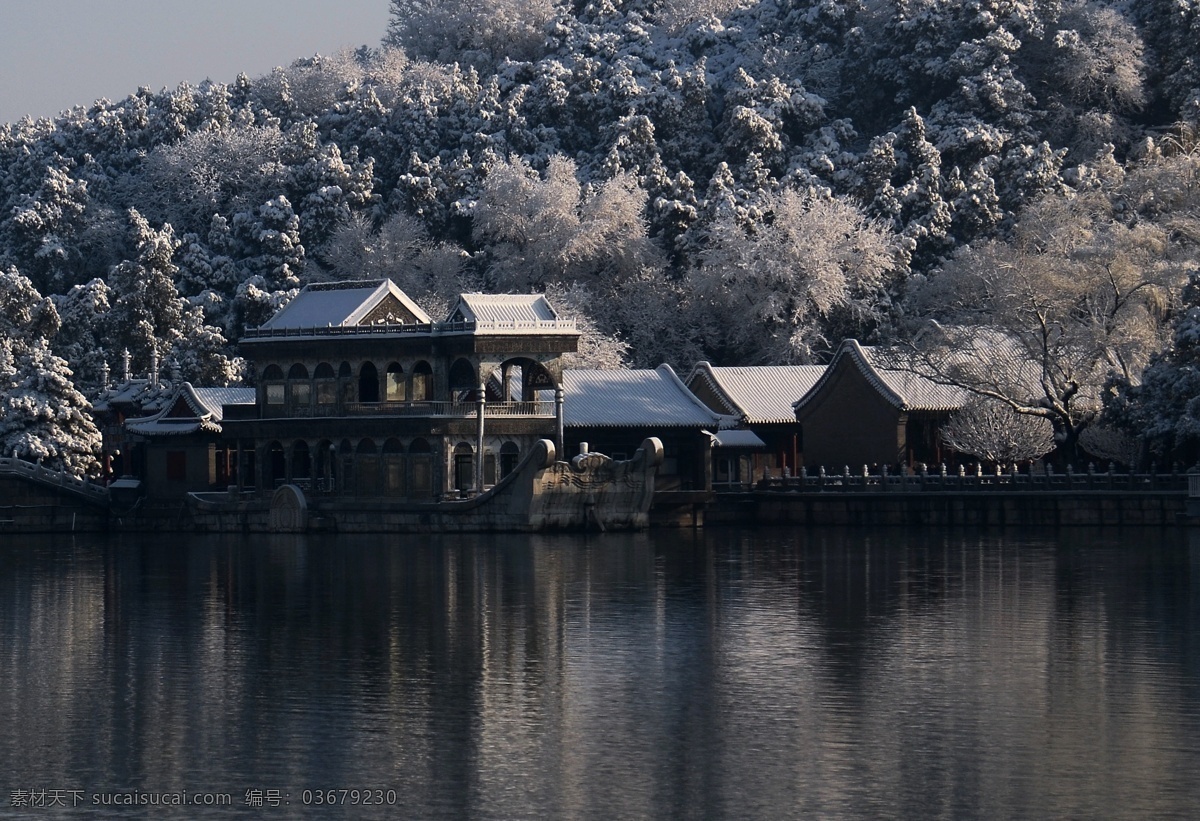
[449,409]
[882,480]
[435,328]
[55,478]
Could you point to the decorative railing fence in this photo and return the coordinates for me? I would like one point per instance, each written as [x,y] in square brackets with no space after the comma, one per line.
[55,478]
[546,326]
[450,409]
[942,479]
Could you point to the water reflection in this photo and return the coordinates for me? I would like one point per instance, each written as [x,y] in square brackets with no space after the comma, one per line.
[727,674]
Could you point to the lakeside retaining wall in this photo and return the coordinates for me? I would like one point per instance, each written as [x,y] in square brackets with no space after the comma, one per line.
[987,508]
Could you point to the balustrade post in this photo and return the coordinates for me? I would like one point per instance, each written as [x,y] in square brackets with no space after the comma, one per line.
[480,403]
[558,423]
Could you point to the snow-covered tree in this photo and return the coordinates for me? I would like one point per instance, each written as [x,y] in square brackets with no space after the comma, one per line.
[482,33]
[270,243]
[43,418]
[780,281]
[401,251]
[201,353]
[1163,407]
[1081,295]
[218,171]
[147,314]
[539,230]
[993,432]
[81,339]
[596,348]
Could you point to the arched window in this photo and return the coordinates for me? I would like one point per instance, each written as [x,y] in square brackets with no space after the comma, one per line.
[368,383]
[346,460]
[464,466]
[510,454]
[300,387]
[395,383]
[422,382]
[463,384]
[276,465]
[326,385]
[301,461]
[273,387]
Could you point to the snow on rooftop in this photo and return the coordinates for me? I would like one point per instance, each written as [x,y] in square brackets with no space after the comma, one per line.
[902,388]
[206,405]
[762,394]
[503,308]
[334,304]
[632,398]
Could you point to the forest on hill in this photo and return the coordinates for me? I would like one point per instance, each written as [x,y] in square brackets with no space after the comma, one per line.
[744,181]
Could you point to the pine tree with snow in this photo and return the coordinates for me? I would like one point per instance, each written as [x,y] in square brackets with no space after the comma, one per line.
[43,418]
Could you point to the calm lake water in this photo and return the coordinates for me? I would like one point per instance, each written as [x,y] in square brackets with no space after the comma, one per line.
[725,674]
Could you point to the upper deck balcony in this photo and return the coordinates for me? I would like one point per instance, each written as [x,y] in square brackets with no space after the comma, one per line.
[444,410]
[507,327]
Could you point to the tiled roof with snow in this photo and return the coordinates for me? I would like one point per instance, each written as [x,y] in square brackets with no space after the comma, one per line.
[762,395]
[205,405]
[633,398]
[902,388]
[505,308]
[509,313]
[338,304]
[738,439]
[214,398]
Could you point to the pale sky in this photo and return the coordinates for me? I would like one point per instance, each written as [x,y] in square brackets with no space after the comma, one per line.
[56,54]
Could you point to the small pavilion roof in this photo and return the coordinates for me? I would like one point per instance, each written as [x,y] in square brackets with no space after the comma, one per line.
[191,409]
[134,395]
[341,304]
[633,398]
[762,394]
[509,314]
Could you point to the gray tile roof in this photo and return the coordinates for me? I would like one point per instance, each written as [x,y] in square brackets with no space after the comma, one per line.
[510,314]
[213,398]
[205,403]
[336,304]
[902,388]
[761,395]
[633,398]
[487,308]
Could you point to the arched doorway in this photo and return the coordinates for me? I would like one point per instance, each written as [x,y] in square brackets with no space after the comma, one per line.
[420,459]
[393,467]
[301,462]
[366,458]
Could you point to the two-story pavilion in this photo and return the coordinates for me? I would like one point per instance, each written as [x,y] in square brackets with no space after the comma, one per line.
[361,393]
